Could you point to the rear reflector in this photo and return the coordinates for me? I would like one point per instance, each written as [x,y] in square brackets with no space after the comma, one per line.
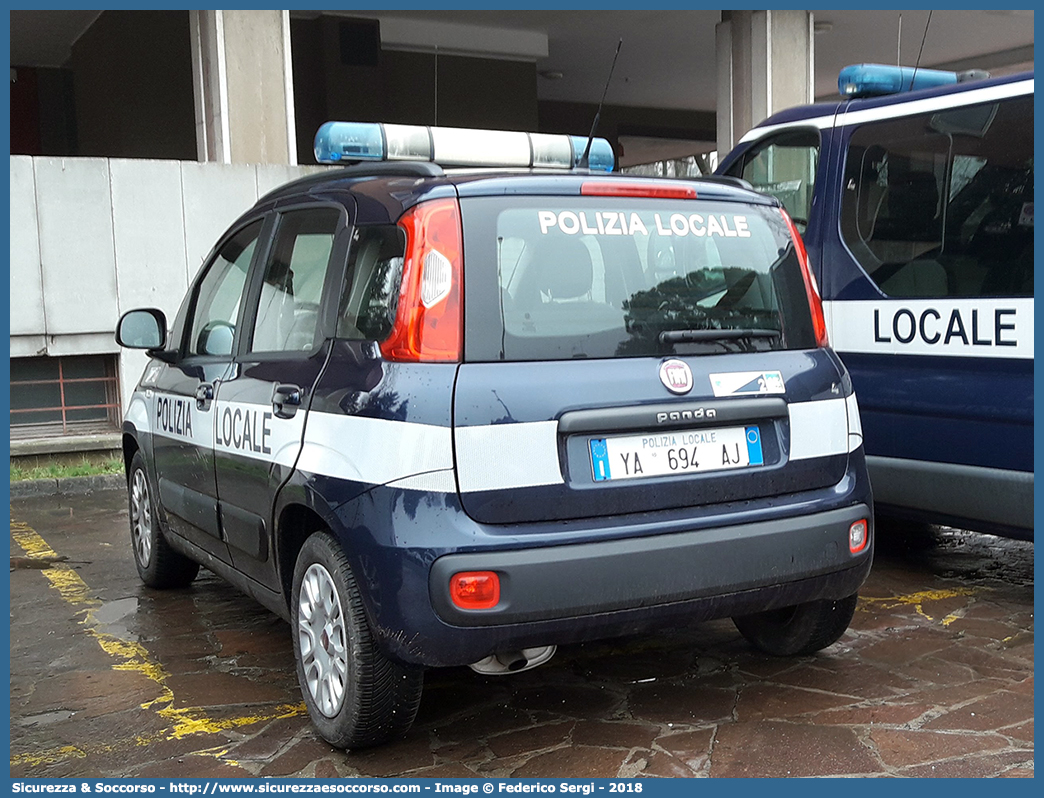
[815,303]
[858,535]
[609,188]
[475,590]
[428,318]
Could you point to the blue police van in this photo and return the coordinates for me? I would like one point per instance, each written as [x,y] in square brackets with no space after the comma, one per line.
[914,195]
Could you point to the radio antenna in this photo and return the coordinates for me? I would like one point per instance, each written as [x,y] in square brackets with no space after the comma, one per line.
[919,52]
[583,163]
[899,42]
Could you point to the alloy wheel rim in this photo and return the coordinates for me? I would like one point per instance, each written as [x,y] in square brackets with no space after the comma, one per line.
[141,518]
[323,641]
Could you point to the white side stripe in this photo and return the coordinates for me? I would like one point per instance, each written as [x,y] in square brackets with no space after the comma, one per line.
[420,456]
[855,426]
[818,429]
[955,327]
[138,413]
[899,109]
[374,450]
[371,450]
[505,456]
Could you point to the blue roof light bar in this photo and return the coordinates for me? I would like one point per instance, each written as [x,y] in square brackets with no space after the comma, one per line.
[340,142]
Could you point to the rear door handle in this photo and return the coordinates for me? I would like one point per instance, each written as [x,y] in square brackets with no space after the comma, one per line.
[285,400]
[204,396]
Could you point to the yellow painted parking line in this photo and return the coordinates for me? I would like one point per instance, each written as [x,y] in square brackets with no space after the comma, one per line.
[130,656]
[918,600]
[49,757]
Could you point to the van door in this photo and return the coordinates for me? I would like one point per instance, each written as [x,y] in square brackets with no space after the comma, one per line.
[930,301]
[796,166]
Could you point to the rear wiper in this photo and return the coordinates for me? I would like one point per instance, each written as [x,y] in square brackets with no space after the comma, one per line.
[695,336]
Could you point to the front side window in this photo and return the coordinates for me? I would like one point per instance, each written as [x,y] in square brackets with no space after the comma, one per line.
[941,204]
[288,307]
[212,329]
[785,167]
[558,278]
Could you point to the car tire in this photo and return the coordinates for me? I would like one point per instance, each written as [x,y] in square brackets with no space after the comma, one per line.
[355,695]
[798,630]
[158,565]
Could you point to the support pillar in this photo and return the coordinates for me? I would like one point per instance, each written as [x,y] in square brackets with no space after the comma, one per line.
[766,63]
[243,86]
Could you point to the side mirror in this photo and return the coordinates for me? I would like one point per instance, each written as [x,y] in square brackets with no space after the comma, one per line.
[142,329]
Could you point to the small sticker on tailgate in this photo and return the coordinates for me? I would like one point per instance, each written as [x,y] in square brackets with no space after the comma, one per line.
[747,383]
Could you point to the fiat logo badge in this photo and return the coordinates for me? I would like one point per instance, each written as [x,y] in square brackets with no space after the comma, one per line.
[676,376]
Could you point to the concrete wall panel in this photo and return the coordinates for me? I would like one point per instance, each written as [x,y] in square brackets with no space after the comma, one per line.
[149,233]
[91,238]
[76,245]
[270,176]
[215,196]
[27,304]
[132,366]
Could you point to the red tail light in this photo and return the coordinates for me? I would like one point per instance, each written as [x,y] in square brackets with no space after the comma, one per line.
[608,188]
[815,303]
[429,320]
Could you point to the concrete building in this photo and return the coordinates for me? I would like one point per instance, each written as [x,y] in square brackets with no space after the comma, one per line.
[138,136]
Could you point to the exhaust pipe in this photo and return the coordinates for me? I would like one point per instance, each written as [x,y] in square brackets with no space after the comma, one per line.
[506,662]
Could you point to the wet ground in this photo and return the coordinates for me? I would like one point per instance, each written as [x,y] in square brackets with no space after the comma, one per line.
[934,678]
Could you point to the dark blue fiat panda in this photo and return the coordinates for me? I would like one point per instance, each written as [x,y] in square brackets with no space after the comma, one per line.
[440,418]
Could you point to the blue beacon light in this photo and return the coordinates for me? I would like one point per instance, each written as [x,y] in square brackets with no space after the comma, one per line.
[349,141]
[875,80]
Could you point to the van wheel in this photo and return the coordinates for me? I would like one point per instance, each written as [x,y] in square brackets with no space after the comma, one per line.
[158,564]
[355,695]
[802,629]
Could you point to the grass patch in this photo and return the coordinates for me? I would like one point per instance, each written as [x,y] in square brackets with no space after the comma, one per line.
[62,470]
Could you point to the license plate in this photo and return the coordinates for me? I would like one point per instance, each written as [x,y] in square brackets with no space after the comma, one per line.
[675,452]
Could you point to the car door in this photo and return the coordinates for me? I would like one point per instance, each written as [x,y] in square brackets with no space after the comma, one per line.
[182,396]
[261,404]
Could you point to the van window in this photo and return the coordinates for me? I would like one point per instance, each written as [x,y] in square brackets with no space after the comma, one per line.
[785,167]
[941,204]
[553,278]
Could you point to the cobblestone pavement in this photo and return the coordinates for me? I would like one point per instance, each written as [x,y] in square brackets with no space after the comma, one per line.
[935,678]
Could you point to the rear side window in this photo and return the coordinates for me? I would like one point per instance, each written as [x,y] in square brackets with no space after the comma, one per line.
[370,297]
[941,204]
[554,278]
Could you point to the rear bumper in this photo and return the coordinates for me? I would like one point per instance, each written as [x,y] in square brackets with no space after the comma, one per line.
[606,576]
[596,578]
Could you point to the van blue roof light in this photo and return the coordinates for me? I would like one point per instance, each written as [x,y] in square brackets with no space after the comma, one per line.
[341,142]
[872,80]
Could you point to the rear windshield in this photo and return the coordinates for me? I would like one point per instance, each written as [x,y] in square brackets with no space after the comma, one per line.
[554,278]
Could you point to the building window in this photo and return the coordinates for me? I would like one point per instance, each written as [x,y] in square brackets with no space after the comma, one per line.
[61,396]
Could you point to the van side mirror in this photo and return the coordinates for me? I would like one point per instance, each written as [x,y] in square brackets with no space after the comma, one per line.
[145,328]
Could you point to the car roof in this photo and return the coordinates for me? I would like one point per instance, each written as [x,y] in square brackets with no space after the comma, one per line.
[822,109]
[381,191]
